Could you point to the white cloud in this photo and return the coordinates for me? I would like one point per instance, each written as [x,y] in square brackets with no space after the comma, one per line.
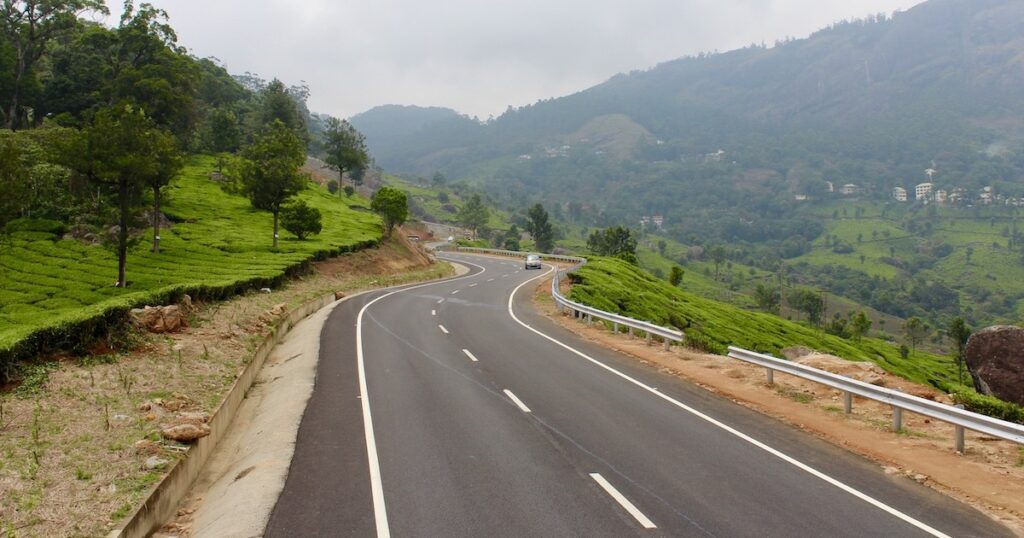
[479,57]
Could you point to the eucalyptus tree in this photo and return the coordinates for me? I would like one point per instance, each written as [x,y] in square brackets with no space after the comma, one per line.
[270,169]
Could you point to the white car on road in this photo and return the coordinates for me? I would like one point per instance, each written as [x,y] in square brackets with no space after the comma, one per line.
[533,261]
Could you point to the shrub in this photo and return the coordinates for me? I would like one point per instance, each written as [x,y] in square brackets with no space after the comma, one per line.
[349,190]
[987,405]
[301,220]
[332,186]
[52,227]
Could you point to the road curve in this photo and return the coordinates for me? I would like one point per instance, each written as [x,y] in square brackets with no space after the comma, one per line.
[449,409]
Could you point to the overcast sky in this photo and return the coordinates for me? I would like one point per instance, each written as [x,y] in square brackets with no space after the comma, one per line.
[478,56]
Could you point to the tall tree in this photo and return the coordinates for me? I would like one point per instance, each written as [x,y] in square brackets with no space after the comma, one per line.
[474,214]
[345,149]
[540,228]
[768,298]
[119,151]
[915,330]
[277,105]
[167,162]
[270,169]
[809,302]
[393,207]
[29,26]
[860,324]
[614,241]
[959,332]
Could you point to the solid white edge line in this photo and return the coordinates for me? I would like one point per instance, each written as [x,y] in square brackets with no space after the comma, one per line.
[445,331]
[380,512]
[788,459]
[623,501]
[433,312]
[470,355]
[517,401]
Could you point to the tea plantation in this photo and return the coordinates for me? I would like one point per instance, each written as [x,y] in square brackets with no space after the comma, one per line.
[54,291]
[616,286]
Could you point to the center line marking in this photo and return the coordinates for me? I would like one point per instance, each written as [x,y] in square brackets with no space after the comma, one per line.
[441,300]
[490,280]
[517,401]
[470,355]
[445,331]
[623,501]
[472,285]
[433,312]
[456,291]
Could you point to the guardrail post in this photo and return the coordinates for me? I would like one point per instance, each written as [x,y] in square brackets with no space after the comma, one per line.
[630,331]
[590,320]
[771,376]
[648,338]
[897,419]
[847,402]
[960,439]
[667,344]
[615,327]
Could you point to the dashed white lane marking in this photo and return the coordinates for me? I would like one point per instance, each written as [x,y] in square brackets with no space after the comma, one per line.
[470,355]
[623,501]
[456,291]
[490,280]
[774,452]
[441,300]
[433,312]
[472,285]
[445,331]
[504,275]
[517,401]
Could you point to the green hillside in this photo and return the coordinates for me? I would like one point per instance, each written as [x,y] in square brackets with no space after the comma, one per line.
[218,246]
[616,286]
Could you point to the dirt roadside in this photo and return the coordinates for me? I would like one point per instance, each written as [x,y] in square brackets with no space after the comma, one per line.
[79,440]
[988,476]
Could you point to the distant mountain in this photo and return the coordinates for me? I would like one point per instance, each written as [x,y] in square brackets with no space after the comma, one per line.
[872,102]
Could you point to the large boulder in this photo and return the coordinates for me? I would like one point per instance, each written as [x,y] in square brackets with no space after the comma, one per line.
[995,358]
[160,319]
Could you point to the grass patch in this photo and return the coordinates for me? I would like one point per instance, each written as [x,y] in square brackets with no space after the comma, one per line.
[58,293]
[795,395]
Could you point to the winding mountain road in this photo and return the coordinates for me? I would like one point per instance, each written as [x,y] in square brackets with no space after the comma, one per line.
[454,409]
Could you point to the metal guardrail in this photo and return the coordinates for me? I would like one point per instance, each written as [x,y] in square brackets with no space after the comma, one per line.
[960,418]
[581,310]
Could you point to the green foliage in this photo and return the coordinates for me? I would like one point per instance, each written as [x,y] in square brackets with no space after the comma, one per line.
[270,169]
[959,332]
[277,106]
[988,405]
[332,186]
[540,228]
[615,241]
[860,324]
[349,190]
[301,220]
[392,206]
[675,275]
[474,214]
[345,148]
[807,301]
[616,286]
[915,330]
[769,298]
[511,241]
[56,295]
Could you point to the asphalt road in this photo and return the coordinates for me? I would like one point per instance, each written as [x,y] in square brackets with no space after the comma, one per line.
[448,409]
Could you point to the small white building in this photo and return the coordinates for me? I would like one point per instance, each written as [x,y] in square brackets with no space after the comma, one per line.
[658,220]
[941,196]
[987,195]
[849,189]
[923,191]
[900,194]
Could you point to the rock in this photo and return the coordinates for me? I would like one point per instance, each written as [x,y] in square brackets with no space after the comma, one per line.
[279,309]
[159,319]
[145,446]
[186,303]
[338,295]
[265,290]
[194,418]
[795,352]
[995,359]
[920,478]
[186,433]
[154,462]
[146,406]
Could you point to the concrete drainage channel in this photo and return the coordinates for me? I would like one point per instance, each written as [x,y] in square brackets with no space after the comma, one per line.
[163,502]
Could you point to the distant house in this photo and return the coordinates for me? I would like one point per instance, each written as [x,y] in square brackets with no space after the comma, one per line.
[800,197]
[941,196]
[525,157]
[987,195]
[831,187]
[849,189]
[923,191]
[900,194]
[658,220]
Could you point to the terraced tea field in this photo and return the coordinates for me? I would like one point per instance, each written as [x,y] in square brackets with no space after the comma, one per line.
[218,246]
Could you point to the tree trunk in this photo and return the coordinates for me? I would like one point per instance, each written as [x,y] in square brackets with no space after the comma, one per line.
[156,219]
[122,233]
[19,75]
[275,227]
